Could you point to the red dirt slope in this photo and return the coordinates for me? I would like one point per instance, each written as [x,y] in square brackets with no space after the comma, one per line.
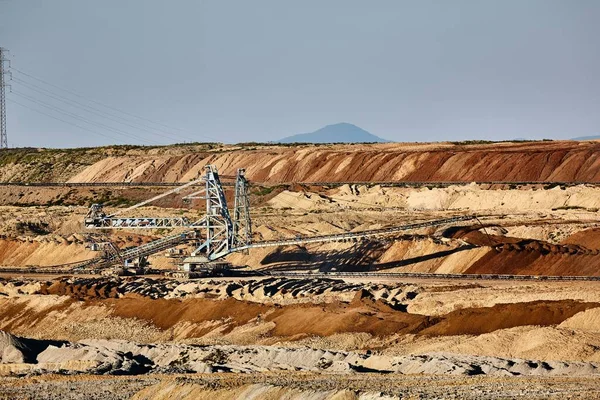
[537,161]
[516,256]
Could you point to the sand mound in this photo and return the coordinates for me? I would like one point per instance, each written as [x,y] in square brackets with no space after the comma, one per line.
[190,391]
[42,251]
[123,357]
[588,320]
[477,321]
[301,201]
[589,238]
[12,350]
[477,198]
[169,310]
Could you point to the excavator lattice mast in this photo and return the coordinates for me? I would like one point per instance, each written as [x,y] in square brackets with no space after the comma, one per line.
[242,225]
[217,232]
[217,223]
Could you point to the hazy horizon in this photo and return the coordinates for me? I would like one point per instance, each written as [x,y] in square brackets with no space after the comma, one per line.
[152,72]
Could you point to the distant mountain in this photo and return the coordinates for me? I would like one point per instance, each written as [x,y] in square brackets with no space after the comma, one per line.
[337,133]
[596,137]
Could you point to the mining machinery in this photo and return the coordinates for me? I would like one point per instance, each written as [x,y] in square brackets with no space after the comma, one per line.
[216,233]
[213,236]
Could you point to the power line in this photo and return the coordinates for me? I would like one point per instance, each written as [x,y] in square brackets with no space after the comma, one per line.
[66,122]
[3,134]
[83,119]
[89,109]
[80,118]
[107,106]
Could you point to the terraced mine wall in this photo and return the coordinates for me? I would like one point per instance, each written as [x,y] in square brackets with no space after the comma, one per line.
[563,161]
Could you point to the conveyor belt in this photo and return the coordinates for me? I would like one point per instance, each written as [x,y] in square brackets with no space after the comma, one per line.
[354,235]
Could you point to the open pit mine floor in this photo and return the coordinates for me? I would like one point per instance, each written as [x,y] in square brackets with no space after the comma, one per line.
[295,386]
[424,313]
[143,338]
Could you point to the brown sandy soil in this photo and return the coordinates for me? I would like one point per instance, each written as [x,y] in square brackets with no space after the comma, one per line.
[527,230]
[558,161]
[539,321]
[31,196]
[554,215]
[490,253]
[373,387]
[196,318]
[55,250]
[69,312]
[503,316]
[539,161]
[295,385]
[588,238]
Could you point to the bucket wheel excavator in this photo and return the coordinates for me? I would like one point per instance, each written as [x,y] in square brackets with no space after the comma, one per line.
[214,235]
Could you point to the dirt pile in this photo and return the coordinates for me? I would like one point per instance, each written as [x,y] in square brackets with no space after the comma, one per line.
[103,288]
[531,261]
[43,251]
[292,291]
[472,253]
[281,291]
[121,357]
[516,256]
[554,322]
[134,309]
[11,349]
[473,197]
[291,385]
[588,238]
[16,350]
[589,320]
[476,198]
[477,321]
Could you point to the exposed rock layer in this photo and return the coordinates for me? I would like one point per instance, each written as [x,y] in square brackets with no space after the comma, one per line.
[538,161]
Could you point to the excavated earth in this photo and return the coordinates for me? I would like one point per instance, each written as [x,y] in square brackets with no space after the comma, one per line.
[519,161]
[329,338]
[553,161]
[315,336]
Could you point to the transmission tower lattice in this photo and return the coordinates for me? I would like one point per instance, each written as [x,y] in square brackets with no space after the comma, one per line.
[3,137]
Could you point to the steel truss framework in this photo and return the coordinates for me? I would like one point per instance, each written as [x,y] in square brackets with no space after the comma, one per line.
[217,223]
[242,225]
[217,232]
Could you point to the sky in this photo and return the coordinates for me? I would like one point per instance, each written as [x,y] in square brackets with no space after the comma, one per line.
[88,72]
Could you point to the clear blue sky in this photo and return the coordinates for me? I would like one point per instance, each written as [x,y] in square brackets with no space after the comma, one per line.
[259,70]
